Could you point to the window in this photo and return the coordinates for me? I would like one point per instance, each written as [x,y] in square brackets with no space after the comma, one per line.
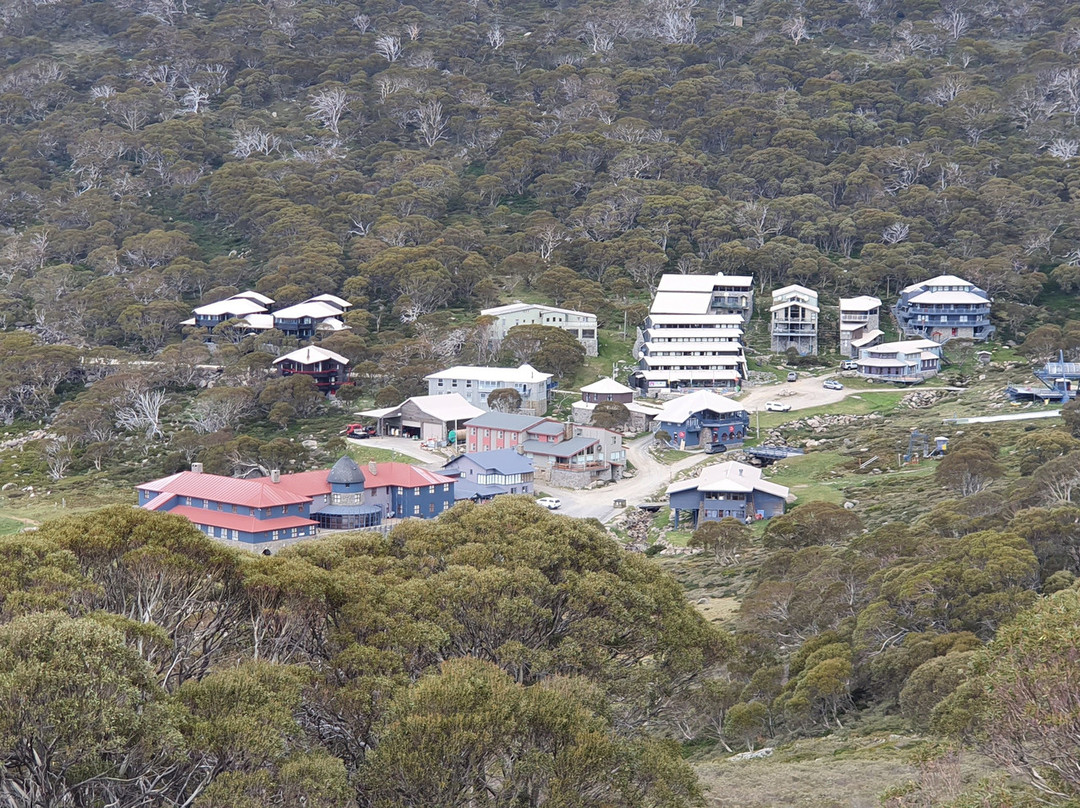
[431,507]
[236,535]
[187,500]
[431,489]
[416,510]
[446,488]
[274,536]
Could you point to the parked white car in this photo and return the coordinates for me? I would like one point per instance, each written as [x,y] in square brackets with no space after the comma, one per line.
[551,503]
[777,406]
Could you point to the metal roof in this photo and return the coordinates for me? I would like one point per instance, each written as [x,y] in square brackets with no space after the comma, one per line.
[257,493]
[316,309]
[504,420]
[445,407]
[547,427]
[565,448]
[311,355]
[517,306]
[345,471]
[524,374]
[679,409]
[606,386]
[235,521]
[503,461]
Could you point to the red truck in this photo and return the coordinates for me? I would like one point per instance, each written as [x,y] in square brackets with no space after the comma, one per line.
[359,431]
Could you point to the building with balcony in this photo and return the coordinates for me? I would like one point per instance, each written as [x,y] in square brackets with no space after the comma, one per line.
[580,324]
[503,430]
[703,418]
[905,362]
[944,308]
[236,307]
[726,491]
[482,475]
[329,370]
[860,324]
[794,320]
[321,314]
[692,337]
[475,384]
[641,415]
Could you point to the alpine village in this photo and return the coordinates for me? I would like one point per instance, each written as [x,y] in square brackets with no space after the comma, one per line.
[539,404]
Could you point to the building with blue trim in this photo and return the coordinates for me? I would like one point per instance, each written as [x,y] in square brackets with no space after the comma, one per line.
[726,491]
[944,308]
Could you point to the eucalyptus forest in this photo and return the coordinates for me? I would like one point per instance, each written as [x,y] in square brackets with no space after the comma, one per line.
[427,160]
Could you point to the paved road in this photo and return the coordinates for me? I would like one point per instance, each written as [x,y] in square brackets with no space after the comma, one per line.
[651,475]
[805,393]
[405,446]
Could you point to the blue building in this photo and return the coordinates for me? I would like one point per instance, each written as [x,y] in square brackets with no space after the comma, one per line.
[236,307]
[726,490]
[504,470]
[703,418]
[293,506]
[944,308]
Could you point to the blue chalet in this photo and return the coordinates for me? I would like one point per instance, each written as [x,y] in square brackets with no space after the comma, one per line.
[725,490]
[303,319]
[504,470]
[703,418]
[944,308]
[231,308]
[294,506]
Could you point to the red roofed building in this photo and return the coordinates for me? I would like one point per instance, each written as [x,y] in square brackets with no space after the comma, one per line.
[293,506]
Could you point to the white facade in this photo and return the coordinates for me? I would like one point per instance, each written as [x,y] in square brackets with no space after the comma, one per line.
[860,324]
[475,384]
[580,324]
[794,324]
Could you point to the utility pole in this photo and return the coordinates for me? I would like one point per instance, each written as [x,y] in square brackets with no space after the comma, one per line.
[757,412]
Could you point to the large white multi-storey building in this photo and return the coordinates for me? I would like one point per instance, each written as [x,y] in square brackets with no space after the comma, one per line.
[692,337]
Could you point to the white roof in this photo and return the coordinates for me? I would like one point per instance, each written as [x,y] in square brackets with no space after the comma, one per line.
[188,321]
[258,322]
[686,283]
[525,374]
[250,295]
[516,306]
[311,355]
[730,476]
[316,309]
[718,332]
[331,324]
[682,302]
[860,303]
[333,300]
[442,407]
[867,338]
[802,304]
[908,345]
[940,280]
[794,289]
[687,348]
[237,307]
[679,409]
[605,386]
[950,298]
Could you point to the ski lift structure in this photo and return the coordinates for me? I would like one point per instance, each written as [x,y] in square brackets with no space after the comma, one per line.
[920,448]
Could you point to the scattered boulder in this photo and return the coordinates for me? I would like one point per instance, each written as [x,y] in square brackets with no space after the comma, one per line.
[755,755]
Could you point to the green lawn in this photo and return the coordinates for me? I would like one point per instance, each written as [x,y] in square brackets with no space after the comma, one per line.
[363,454]
[882,401]
[9,526]
[810,476]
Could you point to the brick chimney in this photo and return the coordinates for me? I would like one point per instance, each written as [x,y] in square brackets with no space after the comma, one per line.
[196,468]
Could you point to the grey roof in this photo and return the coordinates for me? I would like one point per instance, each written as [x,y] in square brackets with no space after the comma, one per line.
[345,471]
[463,489]
[504,420]
[549,428]
[566,448]
[503,461]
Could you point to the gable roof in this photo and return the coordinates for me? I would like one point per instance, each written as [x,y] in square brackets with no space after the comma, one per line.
[504,420]
[566,448]
[442,407]
[679,409]
[524,374]
[730,476]
[503,461]
[316,309]
[257,493]
[311,355]
[792,289]
[517,305]
[940,280]
[333,300]
[403,475]
[234,306]
[250,295]
[548,427]
[860,303]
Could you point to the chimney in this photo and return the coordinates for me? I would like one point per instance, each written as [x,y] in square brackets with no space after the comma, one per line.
[373,468]
[275,475]
[196,468]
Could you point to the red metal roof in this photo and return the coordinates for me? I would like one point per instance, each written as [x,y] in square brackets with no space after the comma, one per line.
[305,483]
[158,501]
[401,474]
[235,521]
[258,493]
